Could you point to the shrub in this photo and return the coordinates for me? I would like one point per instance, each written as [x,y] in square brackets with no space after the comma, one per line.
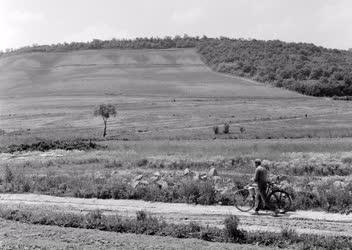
[94,220]
[289,234]
[51,145]
[216,130]
[226,128]
[207,194]
[8,176]
[198,192]
[141,215]
[231,230]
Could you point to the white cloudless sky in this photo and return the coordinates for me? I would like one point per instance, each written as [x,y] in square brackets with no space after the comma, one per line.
[323,22]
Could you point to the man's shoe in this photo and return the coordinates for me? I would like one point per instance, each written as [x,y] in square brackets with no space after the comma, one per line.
[276,213]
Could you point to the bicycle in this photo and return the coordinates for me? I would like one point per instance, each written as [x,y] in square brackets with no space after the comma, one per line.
[279,199]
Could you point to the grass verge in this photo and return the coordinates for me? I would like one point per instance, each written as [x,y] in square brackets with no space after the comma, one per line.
[150,225]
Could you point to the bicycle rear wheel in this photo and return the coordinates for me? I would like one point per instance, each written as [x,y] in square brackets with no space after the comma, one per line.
[280,200]
[244,201]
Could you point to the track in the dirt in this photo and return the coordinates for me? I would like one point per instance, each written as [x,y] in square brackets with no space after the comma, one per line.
[302,221]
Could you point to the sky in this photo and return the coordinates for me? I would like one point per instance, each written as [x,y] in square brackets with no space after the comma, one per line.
[323,22]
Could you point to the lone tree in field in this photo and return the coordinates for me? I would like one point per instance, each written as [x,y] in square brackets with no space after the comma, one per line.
[105,111]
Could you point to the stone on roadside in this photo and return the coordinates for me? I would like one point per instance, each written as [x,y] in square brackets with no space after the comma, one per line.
[212,172]
[135,184]
[196,176]
[155,178]
[157,173]
[138,177]
[203,176]
[186,171]
[145,183]
[225,191]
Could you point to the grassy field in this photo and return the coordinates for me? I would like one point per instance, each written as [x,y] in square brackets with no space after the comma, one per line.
[159,94]
[167,103]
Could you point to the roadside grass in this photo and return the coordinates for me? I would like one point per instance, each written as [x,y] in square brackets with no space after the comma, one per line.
[319,179]
[331,193]
[146,224]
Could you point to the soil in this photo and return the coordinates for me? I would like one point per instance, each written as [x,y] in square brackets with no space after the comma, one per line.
[312,222]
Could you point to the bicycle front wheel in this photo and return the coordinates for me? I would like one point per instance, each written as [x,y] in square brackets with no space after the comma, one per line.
[244,201]
[281,200]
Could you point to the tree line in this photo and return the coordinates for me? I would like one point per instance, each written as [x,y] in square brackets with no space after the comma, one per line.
[137,43]
[302,67]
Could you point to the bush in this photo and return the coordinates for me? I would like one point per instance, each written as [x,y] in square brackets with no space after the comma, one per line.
[242,130]
[51,145]
[216,130]
[8,176]
[141,215]
[232,233]
[198,192]
[94,220]
[289,234]
[226,128]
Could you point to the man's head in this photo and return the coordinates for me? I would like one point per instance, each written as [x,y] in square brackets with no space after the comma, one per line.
[257,162]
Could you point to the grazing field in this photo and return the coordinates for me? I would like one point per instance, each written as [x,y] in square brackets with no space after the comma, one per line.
[159,94]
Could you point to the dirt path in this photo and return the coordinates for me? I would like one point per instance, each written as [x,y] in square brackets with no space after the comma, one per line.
[302,221]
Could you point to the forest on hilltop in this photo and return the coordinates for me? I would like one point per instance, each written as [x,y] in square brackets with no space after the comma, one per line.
[302,67]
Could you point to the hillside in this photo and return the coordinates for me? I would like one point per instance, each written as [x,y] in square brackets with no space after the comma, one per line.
[159,93]
[170,73]
[302,67]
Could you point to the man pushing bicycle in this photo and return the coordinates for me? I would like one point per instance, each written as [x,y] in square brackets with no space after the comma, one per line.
[261,180]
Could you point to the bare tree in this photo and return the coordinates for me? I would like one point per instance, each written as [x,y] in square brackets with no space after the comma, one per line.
[105,111]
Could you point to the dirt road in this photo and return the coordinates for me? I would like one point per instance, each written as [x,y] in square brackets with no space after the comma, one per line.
[312,222]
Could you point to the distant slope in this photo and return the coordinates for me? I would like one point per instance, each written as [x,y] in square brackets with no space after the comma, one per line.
[302,67]
[171,72]
[158,93]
